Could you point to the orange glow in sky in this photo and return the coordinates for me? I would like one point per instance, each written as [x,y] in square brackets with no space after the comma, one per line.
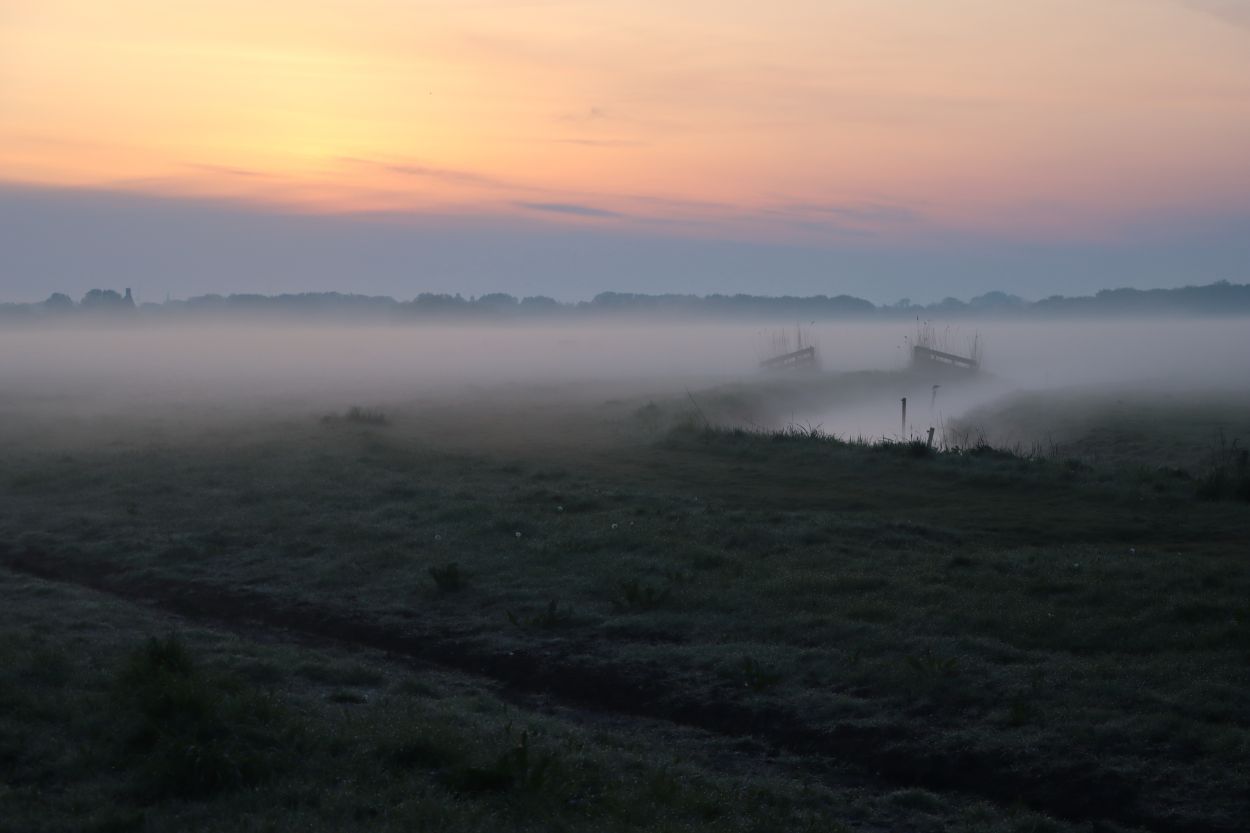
[822,119]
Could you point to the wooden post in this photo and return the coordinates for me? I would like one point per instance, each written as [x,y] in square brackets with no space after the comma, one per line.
[930,443]
[904,434]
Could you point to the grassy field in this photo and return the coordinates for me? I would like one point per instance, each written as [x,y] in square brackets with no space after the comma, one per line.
[1191,431]
[602,614]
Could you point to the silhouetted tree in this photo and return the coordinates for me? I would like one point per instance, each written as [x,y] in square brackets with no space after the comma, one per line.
[59,302]
[108,300]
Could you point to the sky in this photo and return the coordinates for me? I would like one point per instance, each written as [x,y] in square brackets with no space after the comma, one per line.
[884,148]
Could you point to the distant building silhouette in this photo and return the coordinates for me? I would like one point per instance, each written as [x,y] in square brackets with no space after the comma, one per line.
[108,300]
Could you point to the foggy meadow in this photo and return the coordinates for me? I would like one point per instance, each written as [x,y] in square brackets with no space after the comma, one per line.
[611,575]
[505,379]
[233,364]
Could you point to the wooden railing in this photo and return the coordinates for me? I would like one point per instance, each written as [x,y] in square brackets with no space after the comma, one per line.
[924,355]
[805,358]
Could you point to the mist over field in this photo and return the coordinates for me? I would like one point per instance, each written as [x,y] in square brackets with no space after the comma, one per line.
[466,559]
[205,372]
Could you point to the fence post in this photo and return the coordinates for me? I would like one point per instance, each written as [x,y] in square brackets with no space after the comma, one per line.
[904,434]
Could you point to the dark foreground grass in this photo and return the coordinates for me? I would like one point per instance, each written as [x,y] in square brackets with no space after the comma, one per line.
[203,730]
[717,630]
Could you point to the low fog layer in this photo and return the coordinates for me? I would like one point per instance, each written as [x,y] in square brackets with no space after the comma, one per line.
[97,373]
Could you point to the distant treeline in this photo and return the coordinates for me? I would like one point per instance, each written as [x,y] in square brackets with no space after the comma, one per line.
[1221,298]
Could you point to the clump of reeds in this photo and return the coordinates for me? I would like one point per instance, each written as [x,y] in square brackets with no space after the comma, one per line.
[1228,473]
[946,341]
[359,416]
[782,342]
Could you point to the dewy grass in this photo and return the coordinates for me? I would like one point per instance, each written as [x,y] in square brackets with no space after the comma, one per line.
[991,631]
[190,733]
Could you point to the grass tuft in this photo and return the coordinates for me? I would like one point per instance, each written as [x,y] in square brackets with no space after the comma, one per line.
[357,415]
[1228,473]
[552,617]
[449,578]
[190,734]
[637,597]
[756,677]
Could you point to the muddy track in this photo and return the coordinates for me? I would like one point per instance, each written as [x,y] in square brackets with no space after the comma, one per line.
[893,755]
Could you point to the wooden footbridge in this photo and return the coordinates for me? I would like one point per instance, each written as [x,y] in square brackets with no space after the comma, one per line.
[804,359]
[926,358]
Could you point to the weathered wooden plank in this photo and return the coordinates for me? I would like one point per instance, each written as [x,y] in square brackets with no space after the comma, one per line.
[799,358]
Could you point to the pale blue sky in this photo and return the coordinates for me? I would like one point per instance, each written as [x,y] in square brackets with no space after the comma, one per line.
[69,241]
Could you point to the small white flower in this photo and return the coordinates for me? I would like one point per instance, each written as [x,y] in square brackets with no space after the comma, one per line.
[559,508]
[614,526]
[518,535]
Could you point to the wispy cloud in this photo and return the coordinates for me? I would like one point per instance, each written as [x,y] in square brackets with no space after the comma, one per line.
[844,219]
[602,143]
[590,114]
[570,208]
[1235,12]
[228,170]
[448,175]
[877,213]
